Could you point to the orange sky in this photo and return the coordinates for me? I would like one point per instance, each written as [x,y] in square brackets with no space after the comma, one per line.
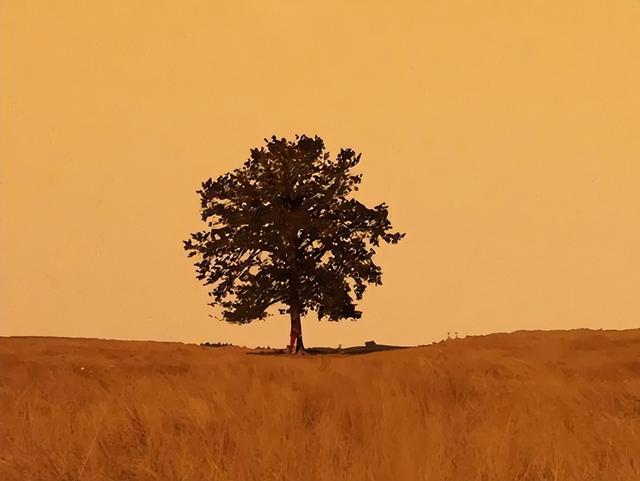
[503,134]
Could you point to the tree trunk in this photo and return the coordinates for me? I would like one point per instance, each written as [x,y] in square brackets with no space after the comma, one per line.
[296,330]
[294,295]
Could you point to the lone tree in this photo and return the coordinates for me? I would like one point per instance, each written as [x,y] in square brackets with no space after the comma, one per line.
[281,229]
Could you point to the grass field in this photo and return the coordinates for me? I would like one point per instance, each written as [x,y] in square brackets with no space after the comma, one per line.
[531,405]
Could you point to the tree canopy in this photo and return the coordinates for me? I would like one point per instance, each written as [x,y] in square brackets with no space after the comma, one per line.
[284,228]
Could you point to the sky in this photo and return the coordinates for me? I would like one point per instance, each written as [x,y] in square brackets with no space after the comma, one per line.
[503,135]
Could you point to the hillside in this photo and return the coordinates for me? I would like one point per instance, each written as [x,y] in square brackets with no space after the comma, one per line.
[530,405]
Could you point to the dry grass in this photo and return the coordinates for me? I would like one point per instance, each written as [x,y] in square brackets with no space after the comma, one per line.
[524,406]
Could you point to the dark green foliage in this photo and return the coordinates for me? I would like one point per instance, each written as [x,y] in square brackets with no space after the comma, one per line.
[282,229]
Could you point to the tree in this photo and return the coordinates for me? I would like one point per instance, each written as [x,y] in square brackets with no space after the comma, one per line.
[283,229]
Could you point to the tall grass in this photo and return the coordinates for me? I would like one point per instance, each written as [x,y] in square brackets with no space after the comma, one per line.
[525,406]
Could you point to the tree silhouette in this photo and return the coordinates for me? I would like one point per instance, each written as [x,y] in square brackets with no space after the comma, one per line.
[283,229]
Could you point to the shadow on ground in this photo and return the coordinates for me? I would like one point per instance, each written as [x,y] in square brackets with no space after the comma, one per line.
[349,351]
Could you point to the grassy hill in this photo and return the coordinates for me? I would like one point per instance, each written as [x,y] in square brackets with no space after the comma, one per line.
[530,405]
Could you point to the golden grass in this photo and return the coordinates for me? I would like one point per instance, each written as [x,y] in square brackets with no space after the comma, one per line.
[560,406]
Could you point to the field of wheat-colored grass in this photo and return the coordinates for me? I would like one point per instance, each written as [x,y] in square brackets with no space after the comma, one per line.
[562,405]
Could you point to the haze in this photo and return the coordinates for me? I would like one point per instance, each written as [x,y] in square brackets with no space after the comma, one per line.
[503,135]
